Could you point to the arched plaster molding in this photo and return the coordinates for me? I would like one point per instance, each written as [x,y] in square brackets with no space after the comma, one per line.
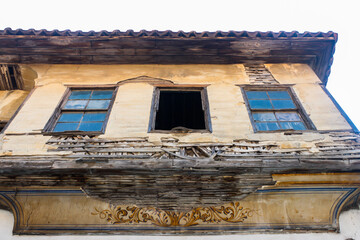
[147,79]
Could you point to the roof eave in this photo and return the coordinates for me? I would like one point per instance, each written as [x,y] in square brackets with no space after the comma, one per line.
[167,47]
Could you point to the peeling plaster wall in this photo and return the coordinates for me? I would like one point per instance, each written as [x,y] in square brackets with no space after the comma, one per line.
[130,114]
[349,229]
[317,104]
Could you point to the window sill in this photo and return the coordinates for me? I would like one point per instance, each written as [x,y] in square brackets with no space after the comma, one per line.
[289,132]
[72,133]
[180,131]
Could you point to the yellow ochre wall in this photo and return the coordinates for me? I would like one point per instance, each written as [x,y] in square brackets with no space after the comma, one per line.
[10,102]
[131,110]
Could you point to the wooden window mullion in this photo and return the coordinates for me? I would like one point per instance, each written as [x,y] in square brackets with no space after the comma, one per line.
[88,100]
[82,117]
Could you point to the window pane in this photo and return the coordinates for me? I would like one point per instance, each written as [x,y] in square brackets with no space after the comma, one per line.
[98,104]
[70,117]
[264,117]
[61,127]
[288,116]
[90,126]
[260,104]
[267,126]
[80,95]
[257,95]
[94,117]
[279,95]
[283,104]
[102,94]
[75,104]
[293,125]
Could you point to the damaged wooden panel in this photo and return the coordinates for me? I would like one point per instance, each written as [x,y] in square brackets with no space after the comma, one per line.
[174,175]
[340,144]
[269,209]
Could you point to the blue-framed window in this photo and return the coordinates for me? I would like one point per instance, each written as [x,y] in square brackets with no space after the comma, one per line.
[84,110]
[275,109]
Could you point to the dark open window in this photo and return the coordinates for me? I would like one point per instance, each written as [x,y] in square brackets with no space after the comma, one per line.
[273,109]
[180,109]
[2,125]
[10,77]
[82,111]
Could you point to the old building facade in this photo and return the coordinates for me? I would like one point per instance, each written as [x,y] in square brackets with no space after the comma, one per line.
[173,133]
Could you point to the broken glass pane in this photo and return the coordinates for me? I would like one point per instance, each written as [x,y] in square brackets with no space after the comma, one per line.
[98,104]
[293,125]
[75,104]
[264,117]
[267,126]
[287,116]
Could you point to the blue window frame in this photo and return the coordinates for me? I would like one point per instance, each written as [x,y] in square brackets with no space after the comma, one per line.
[83,110]
[275,109]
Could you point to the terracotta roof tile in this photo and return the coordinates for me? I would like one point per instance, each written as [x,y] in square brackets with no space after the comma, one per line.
[171,34]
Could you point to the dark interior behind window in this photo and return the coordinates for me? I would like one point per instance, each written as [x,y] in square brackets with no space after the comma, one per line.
[180,109]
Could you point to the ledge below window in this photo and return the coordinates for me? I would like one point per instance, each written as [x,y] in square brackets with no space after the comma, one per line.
[72,133]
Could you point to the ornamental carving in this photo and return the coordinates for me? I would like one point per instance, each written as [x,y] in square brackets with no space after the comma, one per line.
[231,213]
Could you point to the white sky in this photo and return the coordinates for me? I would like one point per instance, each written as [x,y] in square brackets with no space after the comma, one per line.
[342,17]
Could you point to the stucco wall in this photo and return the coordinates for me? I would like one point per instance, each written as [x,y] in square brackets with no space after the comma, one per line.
[9,103]
[317,104]
[130,113]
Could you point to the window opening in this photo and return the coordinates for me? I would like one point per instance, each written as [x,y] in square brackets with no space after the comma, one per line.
[2,125]
[10,77]
[180,109]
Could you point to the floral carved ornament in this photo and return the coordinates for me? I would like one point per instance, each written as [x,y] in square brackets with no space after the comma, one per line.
[232,213]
